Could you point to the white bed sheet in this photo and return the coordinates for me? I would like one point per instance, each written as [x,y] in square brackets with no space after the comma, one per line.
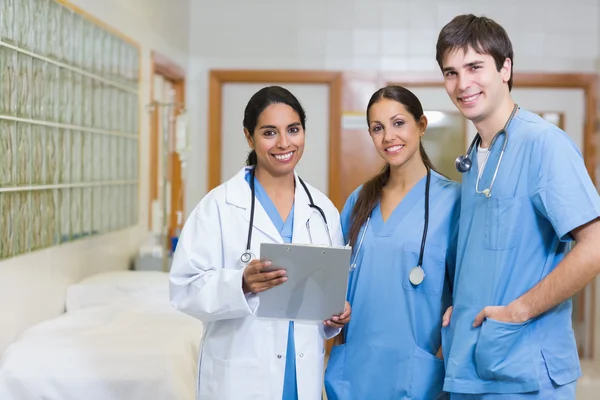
[144,350]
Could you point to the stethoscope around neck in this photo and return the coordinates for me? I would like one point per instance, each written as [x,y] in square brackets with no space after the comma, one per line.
[416,274]
[464,162]
[247,255]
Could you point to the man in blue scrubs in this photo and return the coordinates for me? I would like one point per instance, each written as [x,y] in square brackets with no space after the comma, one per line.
[508,334]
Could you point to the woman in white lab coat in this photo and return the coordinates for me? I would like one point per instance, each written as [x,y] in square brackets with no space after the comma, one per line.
[216,275]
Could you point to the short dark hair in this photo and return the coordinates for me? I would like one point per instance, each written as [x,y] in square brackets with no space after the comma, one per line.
[482,34]
[261,100]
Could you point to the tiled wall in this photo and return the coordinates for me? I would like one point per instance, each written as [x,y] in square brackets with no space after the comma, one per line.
[368,35]
[375,34]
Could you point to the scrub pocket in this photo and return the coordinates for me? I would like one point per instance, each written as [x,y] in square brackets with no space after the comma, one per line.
[504,353]
[502,223]
[427,375]
[336,385]
[562,359]
[434,265]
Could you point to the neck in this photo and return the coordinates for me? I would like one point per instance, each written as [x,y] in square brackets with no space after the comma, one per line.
[272,183]
[404,177]
[493,123]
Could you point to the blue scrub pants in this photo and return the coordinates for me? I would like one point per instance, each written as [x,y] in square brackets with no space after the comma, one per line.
[548,391]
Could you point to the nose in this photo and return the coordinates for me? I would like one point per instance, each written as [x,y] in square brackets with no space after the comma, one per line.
[463,82]
[282,141]
[387,135]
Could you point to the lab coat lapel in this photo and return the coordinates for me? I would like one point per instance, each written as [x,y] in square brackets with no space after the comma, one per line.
[302,213]
[239,195]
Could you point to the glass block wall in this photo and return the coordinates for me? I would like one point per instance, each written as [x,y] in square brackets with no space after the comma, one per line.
[68,127]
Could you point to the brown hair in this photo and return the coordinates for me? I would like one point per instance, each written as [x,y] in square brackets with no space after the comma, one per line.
[370,193]
[482,34]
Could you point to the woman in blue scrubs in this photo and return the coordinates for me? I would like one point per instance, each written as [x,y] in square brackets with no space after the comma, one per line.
[397,302]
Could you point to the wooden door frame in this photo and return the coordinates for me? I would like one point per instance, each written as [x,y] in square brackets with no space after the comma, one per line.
[217,78]
[588,83]
[161,65]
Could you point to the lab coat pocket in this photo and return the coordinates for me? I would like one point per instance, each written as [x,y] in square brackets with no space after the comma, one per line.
[502,230]
[427,377]
[335,381]
[234,379]
[503,352]
[434,266]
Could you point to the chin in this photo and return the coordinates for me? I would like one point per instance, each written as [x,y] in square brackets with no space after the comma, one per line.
[471,113]
[396,162]
[281,170]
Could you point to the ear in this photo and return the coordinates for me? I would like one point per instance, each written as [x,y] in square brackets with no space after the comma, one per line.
[249,138]
[422,124]
[506,70]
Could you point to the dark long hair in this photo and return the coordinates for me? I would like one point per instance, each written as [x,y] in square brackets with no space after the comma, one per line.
[261,100]
[370,193]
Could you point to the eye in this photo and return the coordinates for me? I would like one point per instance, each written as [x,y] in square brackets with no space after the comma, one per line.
[294,129]
[398,123]
[376,128]
[269,133]
[475,67]
[450,73]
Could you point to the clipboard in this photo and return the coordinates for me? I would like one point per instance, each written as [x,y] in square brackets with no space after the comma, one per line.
[316,285]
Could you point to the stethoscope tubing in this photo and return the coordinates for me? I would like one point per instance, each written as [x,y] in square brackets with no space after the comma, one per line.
[247,255]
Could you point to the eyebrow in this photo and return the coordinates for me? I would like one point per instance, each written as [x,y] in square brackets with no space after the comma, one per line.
[392,117]
[467,65]
[274,127]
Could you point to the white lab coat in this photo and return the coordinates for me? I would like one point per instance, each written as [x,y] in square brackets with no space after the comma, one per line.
[244,357]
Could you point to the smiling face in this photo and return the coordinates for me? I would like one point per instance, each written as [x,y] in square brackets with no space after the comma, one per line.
[395,132]
[474,84]
[278,139]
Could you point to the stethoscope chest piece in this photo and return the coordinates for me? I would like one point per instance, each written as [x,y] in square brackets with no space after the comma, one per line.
[463,163]
[246,257]
[416,276]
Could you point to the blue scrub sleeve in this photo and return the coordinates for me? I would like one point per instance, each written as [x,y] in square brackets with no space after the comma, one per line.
[563,190]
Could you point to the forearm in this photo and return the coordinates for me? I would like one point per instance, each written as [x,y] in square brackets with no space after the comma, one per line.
[576,270]
[213,295]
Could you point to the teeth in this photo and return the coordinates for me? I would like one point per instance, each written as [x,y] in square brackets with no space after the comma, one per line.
[470,98]
[284,157]
[394,148]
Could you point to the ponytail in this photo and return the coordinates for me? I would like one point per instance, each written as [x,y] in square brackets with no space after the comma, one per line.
[426,160]
[368,197]
[252,159]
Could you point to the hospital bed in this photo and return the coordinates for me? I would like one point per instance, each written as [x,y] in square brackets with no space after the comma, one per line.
[120,339]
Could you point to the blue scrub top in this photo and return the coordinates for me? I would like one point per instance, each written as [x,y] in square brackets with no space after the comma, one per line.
[506,245]
[290,385]
[395,329]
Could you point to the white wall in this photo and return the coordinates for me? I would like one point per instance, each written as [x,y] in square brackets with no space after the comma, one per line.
[32,287]
[547,35]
